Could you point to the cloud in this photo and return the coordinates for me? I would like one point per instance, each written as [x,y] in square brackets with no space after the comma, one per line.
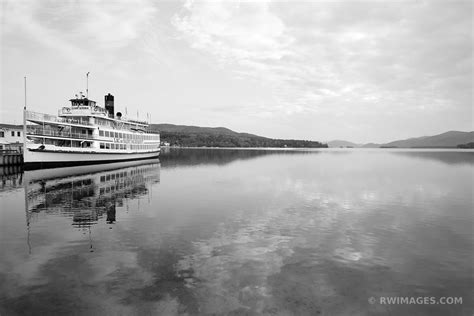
[235,31]
[79,30]
[342,58]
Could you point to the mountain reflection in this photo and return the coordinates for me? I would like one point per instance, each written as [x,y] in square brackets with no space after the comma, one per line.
[179,157]
[448,157]
[87,194]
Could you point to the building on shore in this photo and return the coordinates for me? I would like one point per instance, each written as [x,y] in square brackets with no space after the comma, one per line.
[11,137]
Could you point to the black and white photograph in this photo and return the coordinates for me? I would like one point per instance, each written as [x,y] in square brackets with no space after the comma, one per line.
[236,157]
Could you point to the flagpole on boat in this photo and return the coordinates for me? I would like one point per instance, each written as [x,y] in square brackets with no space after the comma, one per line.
[87,84]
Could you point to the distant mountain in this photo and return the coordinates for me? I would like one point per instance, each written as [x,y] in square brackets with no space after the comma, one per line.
[195,136]
[370,145]
[449,139]
[171,128]
[342,143]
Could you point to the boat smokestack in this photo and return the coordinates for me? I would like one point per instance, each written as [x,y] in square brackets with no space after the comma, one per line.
[109,104]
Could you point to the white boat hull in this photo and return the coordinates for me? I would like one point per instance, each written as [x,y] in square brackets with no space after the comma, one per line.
[40,159]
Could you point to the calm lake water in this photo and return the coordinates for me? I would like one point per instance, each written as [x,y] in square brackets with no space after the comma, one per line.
[212,232]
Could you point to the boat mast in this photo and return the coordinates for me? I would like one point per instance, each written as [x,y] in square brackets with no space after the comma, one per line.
[87,84]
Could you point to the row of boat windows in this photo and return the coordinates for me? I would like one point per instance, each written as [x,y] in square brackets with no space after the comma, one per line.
[114,124]
[64,143]
[129,136]
[131,146]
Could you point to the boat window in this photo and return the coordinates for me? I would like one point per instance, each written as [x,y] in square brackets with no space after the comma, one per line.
[102,145]
[106,133]
[101,133]
[107,146]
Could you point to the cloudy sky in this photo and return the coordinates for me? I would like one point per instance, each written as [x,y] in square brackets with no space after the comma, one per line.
[321,70]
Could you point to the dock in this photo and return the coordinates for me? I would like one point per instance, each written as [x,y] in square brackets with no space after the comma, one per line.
[10,157]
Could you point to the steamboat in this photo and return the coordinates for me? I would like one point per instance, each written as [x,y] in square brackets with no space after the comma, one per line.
[85,133]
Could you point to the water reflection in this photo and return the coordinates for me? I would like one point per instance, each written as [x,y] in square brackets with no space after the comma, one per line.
[241,232]
[180,157]
[450,157]
[11,177]
[88,194]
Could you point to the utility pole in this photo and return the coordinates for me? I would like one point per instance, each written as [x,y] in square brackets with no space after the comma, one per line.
[24,140]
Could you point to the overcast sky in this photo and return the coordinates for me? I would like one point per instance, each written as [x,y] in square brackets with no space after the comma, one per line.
[356,70]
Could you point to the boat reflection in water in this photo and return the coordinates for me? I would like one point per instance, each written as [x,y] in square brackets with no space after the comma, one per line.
[88,194]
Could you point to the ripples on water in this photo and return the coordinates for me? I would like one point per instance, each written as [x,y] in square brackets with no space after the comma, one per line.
[240,232]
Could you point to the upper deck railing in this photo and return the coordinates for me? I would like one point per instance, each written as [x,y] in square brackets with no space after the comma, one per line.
[41,117]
